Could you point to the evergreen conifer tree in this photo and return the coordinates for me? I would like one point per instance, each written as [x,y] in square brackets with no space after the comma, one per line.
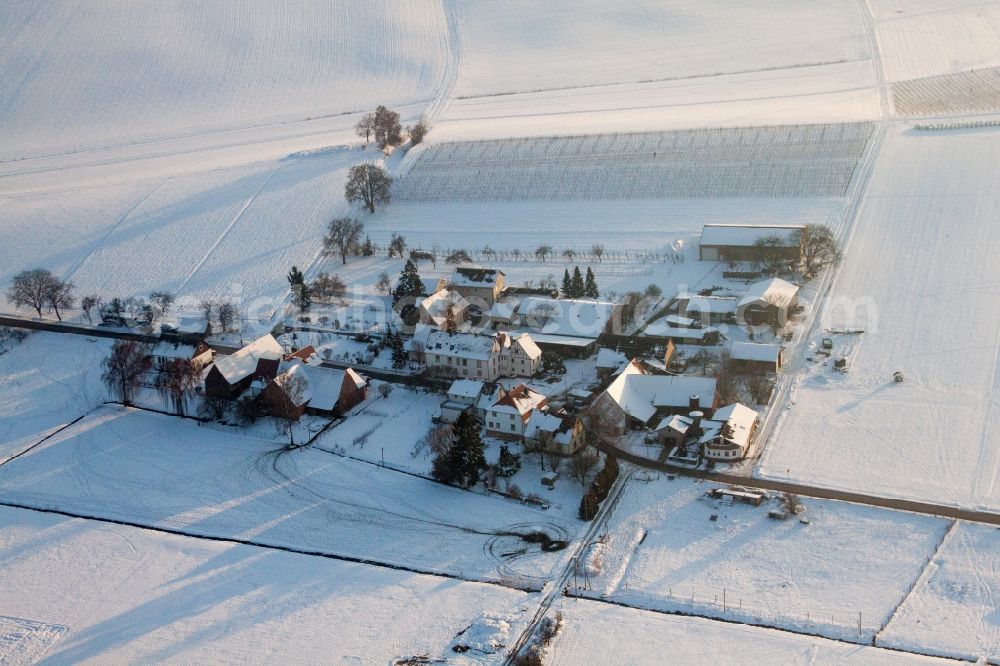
[590,289]
[576,283]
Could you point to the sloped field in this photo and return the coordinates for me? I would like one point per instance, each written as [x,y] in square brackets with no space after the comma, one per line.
[791,161]
[83,75]
[968,92]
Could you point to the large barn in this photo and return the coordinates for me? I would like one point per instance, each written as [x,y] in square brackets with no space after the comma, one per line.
[735,242]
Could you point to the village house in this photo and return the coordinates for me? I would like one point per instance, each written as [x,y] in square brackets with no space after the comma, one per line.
[727,437]
[561,434]
[301,387]
[479,286]
[444,309]
[482,356]
[637,399]
[231,375]
[767,303]
[463,395]
[507,412]
[735,242]
[567,326]
[609,363]
[752,357]
[184,328]
[707,309]
[163,355]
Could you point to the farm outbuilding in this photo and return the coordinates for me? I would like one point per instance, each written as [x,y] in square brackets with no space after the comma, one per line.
[754,357]
[767,303]
[735,242]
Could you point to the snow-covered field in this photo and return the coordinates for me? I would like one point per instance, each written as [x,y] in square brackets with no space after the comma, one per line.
[920,277]
[667,553]
[953,609]
[597,633]
[78,77]
[155,470]
[791,161]
[232,233]
[47,381]
[654,65]
[77,591]
[968,92]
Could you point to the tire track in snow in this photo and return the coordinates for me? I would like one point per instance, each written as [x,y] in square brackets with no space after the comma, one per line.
[70,272]
[453,62]
[229,228]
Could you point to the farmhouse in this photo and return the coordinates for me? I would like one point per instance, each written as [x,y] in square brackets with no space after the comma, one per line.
[444,308]
[637,399]
[728,435]
[553,433]
[735,242]
[476,355]
[707,309]
[479,286]
[753,357]
[233,374]
[767,303]
[164,354]
[183,328]
[301,388]
[571,327]
[463,395]
[509,410]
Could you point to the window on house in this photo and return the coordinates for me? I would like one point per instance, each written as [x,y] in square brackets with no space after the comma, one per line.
[513,428]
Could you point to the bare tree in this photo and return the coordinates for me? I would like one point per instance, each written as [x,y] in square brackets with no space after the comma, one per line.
[727,385]
[397,245]
[207,306]
[227,315]
[60,295]
[597,251]
[368,184]
[31,288]
[342,235]
[384,283]
[88,303]
[176,379]
[162,301]
[289,408]
[543,251]
[583,463]
[418,132]
[365,126]
[819,248]
[124,368]
[387,130]
[702,359]
[768,253]
[327,287]
[759,386]
[569,254]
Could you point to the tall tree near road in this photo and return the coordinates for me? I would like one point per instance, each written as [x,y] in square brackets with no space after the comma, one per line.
[342,235]
[176,379]
[60,295]
[819,248]
[387,130]
[124,367]
[31,288]
[368,184]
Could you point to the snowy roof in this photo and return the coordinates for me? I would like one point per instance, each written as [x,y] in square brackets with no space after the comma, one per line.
[527,343]
[640,395]
[717,304]
[739,417]
[321,385]
[677,320]
[773,291]
[566,316]
[462,345]
[751,351]
[663,329]
[518,400]
[504,309]
[172,350]
[565,340]
[184,323]
[465,388]
[436,305]
[542,422]
[677,423]
[244,362]
[474,276]
[745,235]
[610,359]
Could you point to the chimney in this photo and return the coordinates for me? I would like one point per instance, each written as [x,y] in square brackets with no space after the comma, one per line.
[694,402]
[696,417]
